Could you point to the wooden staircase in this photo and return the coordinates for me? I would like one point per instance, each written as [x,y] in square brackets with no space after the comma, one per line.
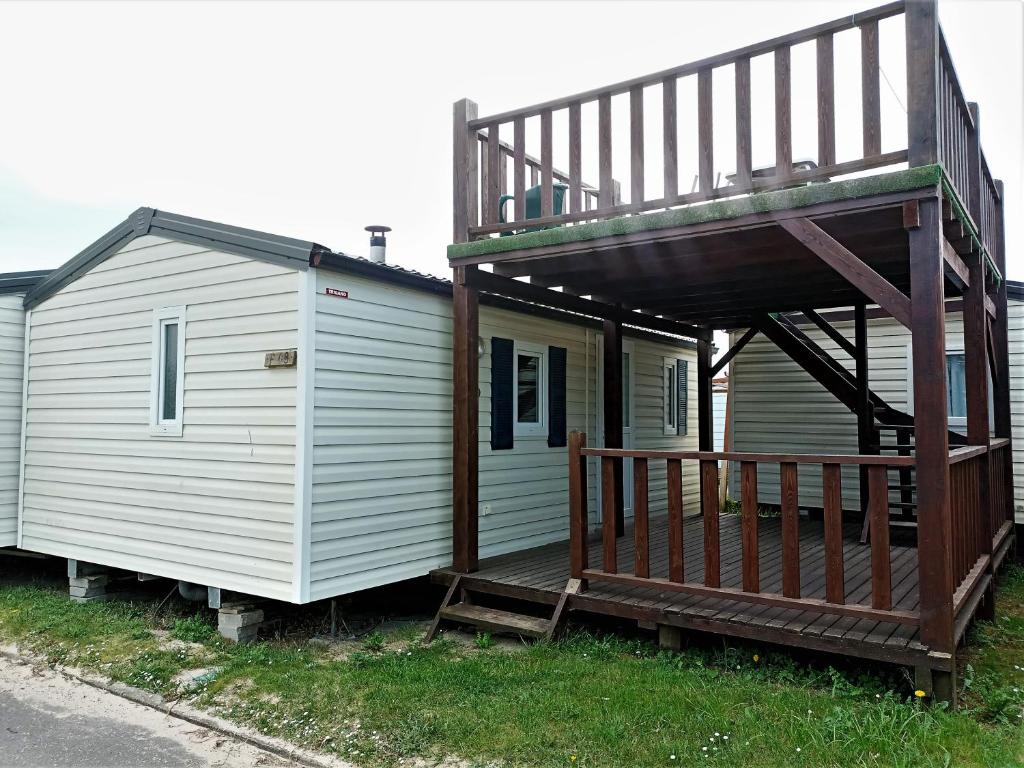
[468,611]
[893,430]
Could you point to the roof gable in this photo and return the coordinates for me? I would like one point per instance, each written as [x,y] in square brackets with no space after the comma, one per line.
[149,221]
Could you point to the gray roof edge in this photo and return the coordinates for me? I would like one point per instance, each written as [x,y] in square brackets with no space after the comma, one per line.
[21,282]
[1015,290]
[285,251]
[399,276]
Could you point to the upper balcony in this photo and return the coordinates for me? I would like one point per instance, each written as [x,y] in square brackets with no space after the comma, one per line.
[709,145]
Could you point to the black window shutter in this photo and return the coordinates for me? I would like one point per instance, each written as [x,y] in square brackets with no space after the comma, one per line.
[682,374]
[556,397]
[501,393]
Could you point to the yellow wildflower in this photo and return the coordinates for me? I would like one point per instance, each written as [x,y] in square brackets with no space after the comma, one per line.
[920,694]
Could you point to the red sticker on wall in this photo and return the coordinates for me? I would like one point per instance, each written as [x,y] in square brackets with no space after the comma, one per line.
[336,292]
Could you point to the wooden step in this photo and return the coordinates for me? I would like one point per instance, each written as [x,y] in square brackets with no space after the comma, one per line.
[903,487]
[903,504]
[495,620]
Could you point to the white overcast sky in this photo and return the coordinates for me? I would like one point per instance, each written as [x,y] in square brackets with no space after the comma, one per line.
[315,119]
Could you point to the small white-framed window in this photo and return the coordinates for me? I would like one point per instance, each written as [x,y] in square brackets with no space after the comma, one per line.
[167,383]
[529,404]
[670,395]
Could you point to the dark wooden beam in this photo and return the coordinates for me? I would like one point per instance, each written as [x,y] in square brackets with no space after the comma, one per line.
[733,351]
[503,286]
[465,421]
[705,417]
[818,369]
[865,416]
[954,268]
[613,404]
[928,339]
[829,330]
[859,274]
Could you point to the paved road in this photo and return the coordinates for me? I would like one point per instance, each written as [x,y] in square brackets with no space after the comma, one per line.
[48,720]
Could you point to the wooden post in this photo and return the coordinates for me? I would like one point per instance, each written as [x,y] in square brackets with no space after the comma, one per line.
[922,32]
[464,170]
[705,417]
[465,421]
[928,338]
[613,410]
[578,513]
[865,418]
[705,423]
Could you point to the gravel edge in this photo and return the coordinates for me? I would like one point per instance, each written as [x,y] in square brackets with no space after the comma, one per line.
[182,711]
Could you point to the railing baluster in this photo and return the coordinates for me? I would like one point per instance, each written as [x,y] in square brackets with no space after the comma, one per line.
[578,524]
[748,500]
[870,98]
[743,126]
[705,124]
[575,159]
[826,102]
[484,188]
[519,167]
[676,564]
[641,538]
[493,173]
[546,180]
[881,560]
[604,150]
[669,137]
[610,554]
[835,579]
[783,114]
[534,176]
[636,144]
[709,506]
[790,530]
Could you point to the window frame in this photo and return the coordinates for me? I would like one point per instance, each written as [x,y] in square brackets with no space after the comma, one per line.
[539,428]
[954,423]
[159,426]
[670,395]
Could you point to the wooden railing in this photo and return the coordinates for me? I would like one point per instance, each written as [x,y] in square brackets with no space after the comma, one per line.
[999,468]
[835,593]
[957,130]
[968,514]
[488,165]
[486,186]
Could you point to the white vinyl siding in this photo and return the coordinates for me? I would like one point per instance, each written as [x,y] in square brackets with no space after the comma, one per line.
[779,408]
[382,502]
[12,358]
[215,506]
[1015,323]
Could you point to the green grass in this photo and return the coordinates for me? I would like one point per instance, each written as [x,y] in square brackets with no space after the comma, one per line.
[585,701]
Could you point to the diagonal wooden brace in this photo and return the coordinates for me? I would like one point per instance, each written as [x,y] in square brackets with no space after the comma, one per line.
[855,271]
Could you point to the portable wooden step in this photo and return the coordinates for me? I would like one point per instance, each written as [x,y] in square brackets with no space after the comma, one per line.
[495,620]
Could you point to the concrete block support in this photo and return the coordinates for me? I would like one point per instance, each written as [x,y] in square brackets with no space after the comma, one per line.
[89,583]
[239,622]
[670,638]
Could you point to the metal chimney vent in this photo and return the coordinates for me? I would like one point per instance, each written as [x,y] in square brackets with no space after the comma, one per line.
[378,243]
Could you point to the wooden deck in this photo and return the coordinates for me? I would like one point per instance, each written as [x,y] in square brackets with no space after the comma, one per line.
[539,576]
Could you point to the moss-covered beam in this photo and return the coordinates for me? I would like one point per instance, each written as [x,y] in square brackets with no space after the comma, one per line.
[717,210]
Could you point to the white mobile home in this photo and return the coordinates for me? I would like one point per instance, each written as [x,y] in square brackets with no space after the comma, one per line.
[13,287]
[775,403]
[259,414]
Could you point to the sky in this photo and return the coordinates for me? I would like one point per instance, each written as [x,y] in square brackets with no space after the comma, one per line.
[313,120]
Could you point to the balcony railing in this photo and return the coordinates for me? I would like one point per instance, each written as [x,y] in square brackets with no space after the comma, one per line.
[835,598]
[488,167]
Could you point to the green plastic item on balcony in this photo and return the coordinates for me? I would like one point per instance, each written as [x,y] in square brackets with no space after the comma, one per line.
[533,206]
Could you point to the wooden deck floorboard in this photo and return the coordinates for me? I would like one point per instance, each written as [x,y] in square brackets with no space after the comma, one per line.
[540,574]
